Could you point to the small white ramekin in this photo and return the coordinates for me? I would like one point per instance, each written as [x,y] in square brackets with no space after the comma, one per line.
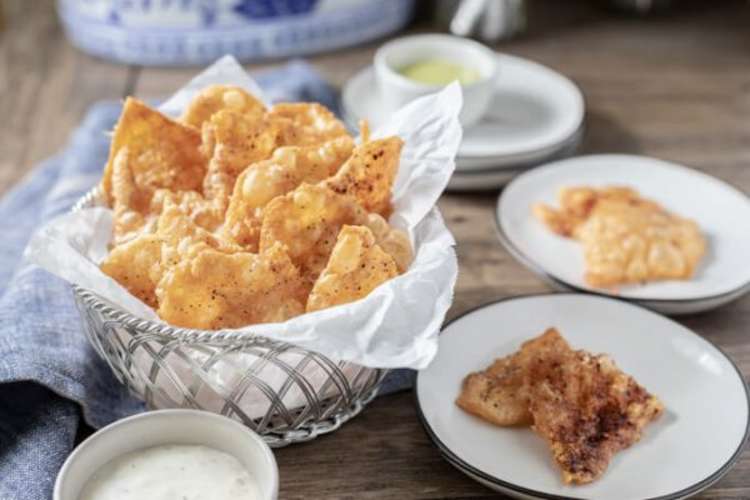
[396,89]
[155,428]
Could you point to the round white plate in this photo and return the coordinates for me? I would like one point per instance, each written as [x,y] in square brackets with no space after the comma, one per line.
[534,110]
[471,165]
[494,178]
[491,181]
[696,440]
[722,212]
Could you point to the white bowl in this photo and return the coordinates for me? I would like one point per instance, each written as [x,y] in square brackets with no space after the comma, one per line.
[397,90]
[162,427]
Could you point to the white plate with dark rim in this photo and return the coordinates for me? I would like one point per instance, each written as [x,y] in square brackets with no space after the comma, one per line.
[721,211]
[691,446]
[534,111]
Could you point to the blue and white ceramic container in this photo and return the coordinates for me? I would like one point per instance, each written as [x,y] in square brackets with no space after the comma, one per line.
[186,32]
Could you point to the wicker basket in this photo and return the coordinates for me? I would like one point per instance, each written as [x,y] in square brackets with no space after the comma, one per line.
[285,393]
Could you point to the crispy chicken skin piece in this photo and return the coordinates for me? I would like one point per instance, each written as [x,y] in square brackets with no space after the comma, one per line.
[215,98]
[582,404]
[356,267]
[497,394]
[227,216]
[626,238]
[287,168]
[587,410]
[369,173]
[495,400]
[162,153]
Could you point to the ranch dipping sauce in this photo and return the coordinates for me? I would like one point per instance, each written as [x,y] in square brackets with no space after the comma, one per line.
[172,472]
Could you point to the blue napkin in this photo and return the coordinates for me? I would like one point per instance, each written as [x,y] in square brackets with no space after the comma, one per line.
[50,377]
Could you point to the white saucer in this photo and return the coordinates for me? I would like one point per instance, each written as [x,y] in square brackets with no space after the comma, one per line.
[491,181]
[493,178]
[695,442]
[534,110]
[482,165]
[722,212]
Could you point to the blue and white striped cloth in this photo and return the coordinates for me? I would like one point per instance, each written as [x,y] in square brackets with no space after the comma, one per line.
[51,380]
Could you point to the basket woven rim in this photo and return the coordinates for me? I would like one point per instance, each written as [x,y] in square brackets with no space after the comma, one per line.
[93,198]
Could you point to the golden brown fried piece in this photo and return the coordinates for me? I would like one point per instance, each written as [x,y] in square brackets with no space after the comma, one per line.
[497,394]
[369,174]
[494,399]
[162,153]
[179,230]
[130,219]
[305,124]
[626,238]
[356,267]
[307,221]
[587,410]
[214,98]
[191,198]
[207,214]
[364,131]
[393,241]
[233,141]
[263,181]
[140,263]
[581,404]
[136,265]
[213,290]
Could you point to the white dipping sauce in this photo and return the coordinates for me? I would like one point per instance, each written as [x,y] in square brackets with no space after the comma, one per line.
[172,472]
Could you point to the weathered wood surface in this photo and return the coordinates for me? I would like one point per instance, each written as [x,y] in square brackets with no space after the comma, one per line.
[674,86]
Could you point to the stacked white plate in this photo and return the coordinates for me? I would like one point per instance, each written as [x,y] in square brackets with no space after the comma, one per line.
[536,116]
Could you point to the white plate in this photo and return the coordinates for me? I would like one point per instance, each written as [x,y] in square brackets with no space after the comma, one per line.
[692,445]
[722,212]
[491,181]
[471,165]
[533,111]
[494,178]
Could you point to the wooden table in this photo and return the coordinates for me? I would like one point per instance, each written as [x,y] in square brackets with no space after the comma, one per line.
[673,86]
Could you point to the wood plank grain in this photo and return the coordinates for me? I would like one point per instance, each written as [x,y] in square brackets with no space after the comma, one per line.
[46,86]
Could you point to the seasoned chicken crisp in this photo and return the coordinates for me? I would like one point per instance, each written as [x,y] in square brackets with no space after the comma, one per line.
[585,407]
[626,238]
[238,214]
[496,394]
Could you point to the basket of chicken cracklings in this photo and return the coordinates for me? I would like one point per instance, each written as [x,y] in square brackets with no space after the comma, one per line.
[257,260]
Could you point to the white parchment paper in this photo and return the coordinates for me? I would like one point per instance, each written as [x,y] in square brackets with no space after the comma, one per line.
[395,326]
